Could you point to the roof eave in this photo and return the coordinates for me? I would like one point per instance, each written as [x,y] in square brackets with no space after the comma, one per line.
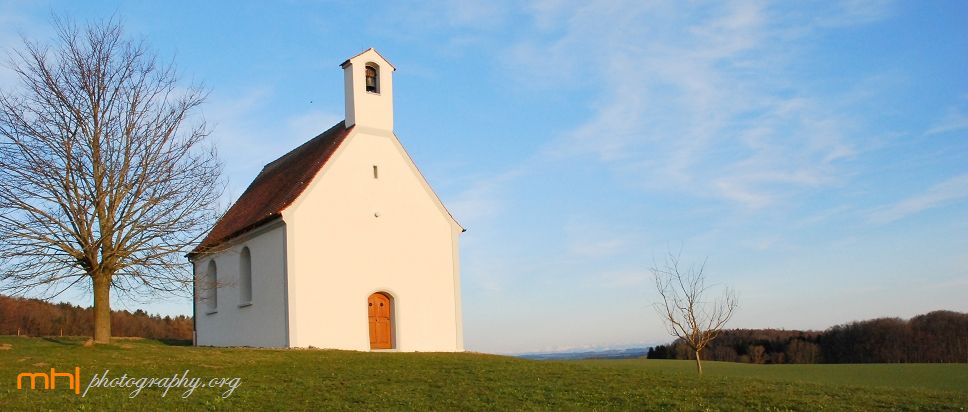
[214,247]
[345,63]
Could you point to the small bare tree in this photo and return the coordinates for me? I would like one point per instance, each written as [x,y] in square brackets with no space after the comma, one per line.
[687,309]
[103,183]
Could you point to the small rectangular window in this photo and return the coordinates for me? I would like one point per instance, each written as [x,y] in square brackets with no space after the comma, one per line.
[376,175]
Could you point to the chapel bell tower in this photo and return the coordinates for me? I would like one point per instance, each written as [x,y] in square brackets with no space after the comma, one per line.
[368,85]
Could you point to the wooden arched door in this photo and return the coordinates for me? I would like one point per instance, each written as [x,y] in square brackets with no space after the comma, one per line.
[381,327]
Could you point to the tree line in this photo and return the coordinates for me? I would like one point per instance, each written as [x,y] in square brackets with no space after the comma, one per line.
[939,336]
[34,317]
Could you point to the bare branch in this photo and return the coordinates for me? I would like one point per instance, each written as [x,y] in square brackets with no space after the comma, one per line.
[101,172]
[683,307]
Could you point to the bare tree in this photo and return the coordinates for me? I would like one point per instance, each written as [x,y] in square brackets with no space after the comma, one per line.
[104,184]
[687,309]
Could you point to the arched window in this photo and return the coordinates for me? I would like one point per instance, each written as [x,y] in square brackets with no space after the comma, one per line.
[245,277]
[372,78]
[211,283]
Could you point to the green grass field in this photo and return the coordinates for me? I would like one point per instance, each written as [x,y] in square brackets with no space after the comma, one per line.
[327,380]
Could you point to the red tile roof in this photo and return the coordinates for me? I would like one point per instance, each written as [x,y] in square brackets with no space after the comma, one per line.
[275,188]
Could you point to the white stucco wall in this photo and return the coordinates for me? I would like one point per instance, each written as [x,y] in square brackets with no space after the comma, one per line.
[350,235]
[263,323]
[364,108]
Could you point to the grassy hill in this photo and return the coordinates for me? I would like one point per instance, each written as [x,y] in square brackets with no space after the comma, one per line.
[326,380]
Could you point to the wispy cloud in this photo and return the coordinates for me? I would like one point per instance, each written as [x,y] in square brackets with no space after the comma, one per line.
[484,198]
[309,124]
[589,240]
[247,139]
[14,27]
[954,119]
[948,191]
[455,27]
[596,248]
[436,14]
[639,279]
[854,12]
[694,100]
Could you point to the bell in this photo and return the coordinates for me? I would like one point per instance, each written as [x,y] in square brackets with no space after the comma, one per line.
[371,79]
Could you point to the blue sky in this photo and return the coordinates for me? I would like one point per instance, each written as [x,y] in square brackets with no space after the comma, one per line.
[815,152]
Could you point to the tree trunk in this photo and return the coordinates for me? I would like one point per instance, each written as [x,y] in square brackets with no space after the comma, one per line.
[102,308]
[698,363]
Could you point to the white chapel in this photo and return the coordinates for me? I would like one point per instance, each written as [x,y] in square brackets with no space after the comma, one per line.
[340,243]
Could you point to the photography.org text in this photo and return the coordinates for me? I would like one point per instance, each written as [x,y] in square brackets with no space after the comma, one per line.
[182,383]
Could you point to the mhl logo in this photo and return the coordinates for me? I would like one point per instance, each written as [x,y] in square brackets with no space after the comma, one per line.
[50,380]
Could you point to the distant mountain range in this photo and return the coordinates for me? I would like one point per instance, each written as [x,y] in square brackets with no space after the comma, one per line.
[628,353]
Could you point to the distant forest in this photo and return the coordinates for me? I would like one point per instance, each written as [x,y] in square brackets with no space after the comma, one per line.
[33,317]
[940,336]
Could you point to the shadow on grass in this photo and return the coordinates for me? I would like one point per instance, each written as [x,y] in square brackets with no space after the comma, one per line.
[152,341]
[65,340]
[176,342]
[80,340]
